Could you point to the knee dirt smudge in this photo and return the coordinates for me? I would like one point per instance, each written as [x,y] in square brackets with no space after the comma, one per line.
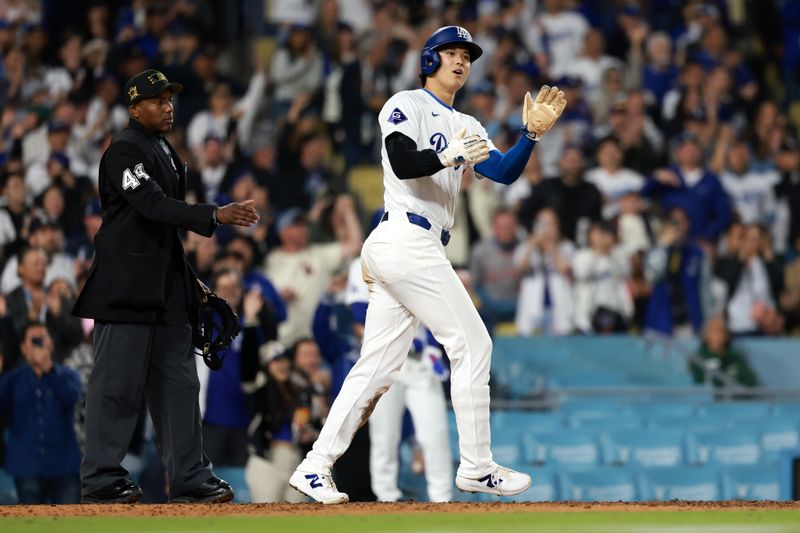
[371,406]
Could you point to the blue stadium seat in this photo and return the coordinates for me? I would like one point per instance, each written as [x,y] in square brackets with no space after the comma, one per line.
[680,483]
[776,434]
[611,423]
[727,447]
[235,477]
[599,484]
[525,385]
[565,447]
[688,423]
[591,377]
[649,410]
[788,411]
[524,421]
[522,365]
[575,410]
[752,482]
[735,411]
[774,360]
[507,446]
[649,448]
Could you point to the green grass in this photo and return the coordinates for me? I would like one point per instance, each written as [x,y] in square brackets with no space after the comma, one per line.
[543,522]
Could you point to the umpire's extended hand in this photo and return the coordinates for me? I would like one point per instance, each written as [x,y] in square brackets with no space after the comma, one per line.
[239,214]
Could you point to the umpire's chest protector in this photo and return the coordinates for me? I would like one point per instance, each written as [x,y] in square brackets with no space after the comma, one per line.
[138,248]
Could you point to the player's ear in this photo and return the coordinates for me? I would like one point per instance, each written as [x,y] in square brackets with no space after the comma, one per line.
[133,110]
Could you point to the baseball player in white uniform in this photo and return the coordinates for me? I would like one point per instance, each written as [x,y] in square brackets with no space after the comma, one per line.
[418,387]
[427,145]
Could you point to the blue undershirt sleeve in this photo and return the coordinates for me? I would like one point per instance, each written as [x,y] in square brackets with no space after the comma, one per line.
[506,168]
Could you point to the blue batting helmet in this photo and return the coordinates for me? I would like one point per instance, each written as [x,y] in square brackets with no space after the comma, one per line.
[430,60]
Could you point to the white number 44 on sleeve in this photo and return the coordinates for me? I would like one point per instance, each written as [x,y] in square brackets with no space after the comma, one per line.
[131,180]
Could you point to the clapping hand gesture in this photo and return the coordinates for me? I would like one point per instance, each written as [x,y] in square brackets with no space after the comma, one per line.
[541,114]
[464,149]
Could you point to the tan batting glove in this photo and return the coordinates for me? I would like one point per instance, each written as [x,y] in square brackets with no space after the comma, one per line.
[464,150]
[540,115]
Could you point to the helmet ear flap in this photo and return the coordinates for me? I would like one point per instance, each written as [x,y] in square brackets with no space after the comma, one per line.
[430,61]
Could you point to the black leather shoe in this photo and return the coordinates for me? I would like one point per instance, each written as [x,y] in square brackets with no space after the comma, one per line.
[120,491]
[212,490]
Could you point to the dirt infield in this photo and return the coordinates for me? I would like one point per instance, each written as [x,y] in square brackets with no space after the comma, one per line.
[276,509]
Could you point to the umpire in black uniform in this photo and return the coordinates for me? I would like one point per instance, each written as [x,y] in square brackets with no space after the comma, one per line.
[141,293]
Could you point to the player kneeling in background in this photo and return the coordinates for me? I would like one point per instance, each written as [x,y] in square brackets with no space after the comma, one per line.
[427,146]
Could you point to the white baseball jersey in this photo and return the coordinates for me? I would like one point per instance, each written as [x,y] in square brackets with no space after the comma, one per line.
[411,282]
[752,195]
[429,122]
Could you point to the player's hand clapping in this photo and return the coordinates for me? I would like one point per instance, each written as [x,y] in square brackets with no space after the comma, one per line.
[540,115]
[464,150]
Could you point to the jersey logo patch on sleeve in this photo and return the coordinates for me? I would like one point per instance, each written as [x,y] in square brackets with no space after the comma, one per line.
[397,116]
[131,180]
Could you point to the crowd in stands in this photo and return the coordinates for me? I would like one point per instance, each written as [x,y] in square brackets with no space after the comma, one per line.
[666,199]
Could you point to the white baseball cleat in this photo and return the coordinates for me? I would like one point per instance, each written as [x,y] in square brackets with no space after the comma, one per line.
[317,486]
[502,482]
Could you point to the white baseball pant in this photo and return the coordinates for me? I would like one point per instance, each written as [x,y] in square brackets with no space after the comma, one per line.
[410,280]
[422,392]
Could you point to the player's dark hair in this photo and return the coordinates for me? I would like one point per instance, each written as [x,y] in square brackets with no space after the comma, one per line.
[423,79]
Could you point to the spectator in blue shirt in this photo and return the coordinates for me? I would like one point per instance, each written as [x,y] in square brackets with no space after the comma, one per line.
[660,73]
[680,273]
[226,415]
[695,189]
[39,398]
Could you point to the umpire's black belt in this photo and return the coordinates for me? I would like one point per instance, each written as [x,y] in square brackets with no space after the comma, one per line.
[422,222]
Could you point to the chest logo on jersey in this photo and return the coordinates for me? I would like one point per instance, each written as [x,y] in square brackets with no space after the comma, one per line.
[397,116]
[439,142]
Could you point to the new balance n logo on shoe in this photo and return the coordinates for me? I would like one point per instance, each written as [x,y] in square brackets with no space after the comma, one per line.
[487,480]
[314,478]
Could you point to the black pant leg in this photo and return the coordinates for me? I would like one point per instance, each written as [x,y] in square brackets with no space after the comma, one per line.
[351,471]
[172,392]
[113,400]
[225,446]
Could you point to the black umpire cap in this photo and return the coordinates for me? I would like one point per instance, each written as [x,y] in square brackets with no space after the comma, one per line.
[148,84]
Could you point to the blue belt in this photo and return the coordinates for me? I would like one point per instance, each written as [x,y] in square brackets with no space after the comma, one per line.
[422,222]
